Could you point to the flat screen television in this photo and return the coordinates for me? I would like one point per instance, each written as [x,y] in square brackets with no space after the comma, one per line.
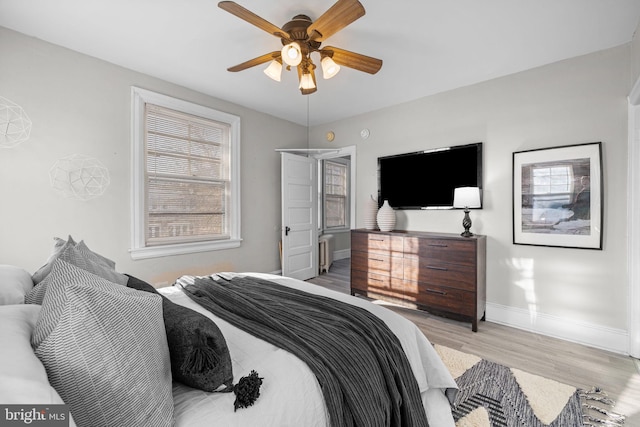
[427,179]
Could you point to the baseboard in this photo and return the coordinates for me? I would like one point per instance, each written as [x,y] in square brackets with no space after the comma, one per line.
[602,337]
[341,254]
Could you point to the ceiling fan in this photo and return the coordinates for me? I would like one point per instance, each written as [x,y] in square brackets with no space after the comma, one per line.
[301,37]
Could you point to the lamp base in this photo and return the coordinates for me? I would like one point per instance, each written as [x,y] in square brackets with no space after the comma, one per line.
[466,223]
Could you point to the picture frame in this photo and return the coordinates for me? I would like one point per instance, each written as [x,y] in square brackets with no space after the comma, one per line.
[558,196]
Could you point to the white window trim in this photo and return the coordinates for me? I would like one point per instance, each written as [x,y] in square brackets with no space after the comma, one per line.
[348,196]
[348,151]
[138,249]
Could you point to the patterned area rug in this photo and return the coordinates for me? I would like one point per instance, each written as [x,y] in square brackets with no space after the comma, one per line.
[493,395]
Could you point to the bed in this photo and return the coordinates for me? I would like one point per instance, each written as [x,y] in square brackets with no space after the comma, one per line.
[134,368]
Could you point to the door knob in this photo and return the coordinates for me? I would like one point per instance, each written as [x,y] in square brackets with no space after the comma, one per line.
[286,230]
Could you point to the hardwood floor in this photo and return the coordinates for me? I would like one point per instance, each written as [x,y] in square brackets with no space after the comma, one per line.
[563,361]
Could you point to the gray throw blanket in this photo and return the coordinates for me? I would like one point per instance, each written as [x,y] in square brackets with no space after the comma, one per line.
[360,365]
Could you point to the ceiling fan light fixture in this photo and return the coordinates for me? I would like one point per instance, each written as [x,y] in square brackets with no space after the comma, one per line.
[306,82]
[329,67]
[274,70]
[291,54]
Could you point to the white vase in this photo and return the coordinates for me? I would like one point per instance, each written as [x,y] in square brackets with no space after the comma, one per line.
[370,212]
[386,217]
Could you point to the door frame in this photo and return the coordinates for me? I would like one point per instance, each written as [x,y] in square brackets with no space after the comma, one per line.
[633,212]
[328,153]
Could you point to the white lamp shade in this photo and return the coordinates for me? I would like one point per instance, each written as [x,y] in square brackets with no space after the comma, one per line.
[274,70]
[291,54]
[306,82]
[329,67]
[466,197]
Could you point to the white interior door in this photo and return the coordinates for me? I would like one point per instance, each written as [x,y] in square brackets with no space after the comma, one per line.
[299,216]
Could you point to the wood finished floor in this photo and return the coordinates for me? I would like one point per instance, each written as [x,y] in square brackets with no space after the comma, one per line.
[563,361]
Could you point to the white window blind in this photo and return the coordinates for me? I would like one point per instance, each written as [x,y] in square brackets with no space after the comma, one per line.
[186,177]
[335,194]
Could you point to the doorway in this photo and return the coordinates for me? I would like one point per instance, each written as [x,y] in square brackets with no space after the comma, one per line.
[309,250]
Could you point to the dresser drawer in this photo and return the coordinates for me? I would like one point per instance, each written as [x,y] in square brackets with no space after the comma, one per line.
[431,271]
[377,243]
[440,297]
[377,284]
[378,263]
[442,250]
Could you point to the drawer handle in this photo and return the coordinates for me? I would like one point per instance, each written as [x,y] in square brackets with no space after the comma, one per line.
[375,280]
[378,240]
[437,245]
[431,267]
[376,259]
[433,291]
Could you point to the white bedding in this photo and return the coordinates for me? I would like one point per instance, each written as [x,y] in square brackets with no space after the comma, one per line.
[289,384]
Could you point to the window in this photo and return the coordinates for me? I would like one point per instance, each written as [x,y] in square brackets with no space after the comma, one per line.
[186,189]
[552,180]
[336,190]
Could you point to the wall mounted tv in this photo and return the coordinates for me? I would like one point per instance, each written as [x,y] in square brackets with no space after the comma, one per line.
[426,179]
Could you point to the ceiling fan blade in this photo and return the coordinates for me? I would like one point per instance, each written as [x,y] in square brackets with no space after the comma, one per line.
[353,60]
[338,16]
[246,15]
[255,61]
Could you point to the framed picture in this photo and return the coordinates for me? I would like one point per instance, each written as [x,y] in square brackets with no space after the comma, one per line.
[558,196]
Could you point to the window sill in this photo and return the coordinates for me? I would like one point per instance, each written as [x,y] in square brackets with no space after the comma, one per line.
[183,248]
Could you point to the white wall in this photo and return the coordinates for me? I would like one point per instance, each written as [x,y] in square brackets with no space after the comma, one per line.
[571,293]
[79,104]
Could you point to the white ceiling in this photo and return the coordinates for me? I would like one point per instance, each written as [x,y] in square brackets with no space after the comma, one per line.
[428,46]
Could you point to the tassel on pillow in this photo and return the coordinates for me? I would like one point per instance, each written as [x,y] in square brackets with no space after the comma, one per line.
[201,359]
[247,390]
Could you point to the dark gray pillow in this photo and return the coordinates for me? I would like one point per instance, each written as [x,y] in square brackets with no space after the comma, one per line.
[105,350]
[199,354]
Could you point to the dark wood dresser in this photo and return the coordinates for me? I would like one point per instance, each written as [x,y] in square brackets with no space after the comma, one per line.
[441,273]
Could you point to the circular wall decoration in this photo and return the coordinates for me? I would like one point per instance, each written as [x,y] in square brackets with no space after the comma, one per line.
[15,125]
[80,177]
[331,136]
[364,133]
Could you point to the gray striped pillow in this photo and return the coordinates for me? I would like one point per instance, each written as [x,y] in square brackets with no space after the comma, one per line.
[105,350]
[81,259]
[82,246]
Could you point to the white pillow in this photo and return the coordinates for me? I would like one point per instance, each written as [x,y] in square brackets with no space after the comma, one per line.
[22,375]
[105,350]
[15,283]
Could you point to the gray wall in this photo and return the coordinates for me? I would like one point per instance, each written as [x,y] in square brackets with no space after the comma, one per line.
[575,101]
[81,105]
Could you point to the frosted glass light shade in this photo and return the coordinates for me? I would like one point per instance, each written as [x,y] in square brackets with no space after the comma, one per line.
[274,70]
[329,67]
[466,197]
[306,82]
[291,54]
